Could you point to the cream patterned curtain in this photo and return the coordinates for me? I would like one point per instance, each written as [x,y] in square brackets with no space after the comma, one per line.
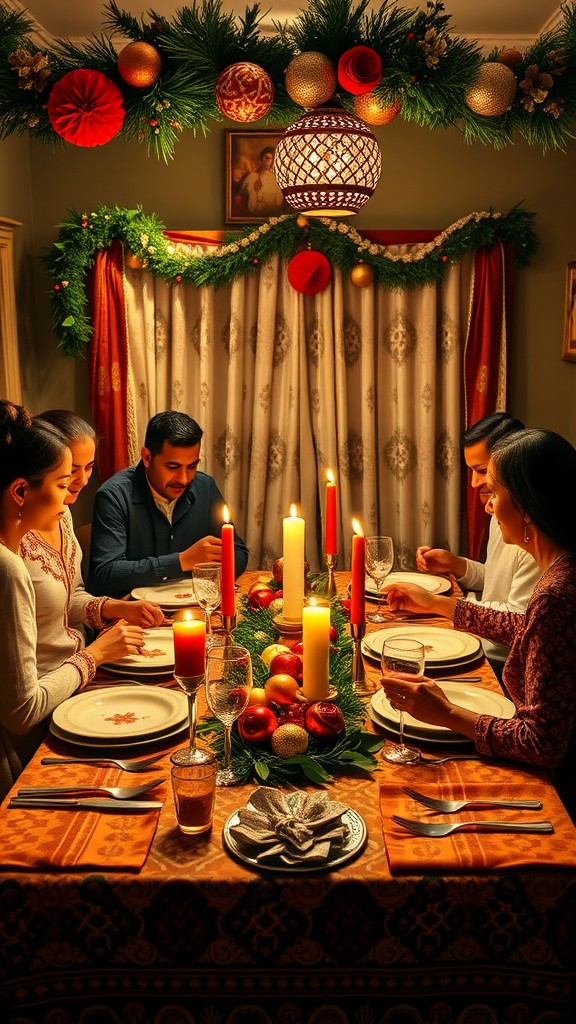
[367,382]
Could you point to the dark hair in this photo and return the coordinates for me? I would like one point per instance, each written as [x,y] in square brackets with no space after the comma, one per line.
[177,428]
[27,449]
[538,468]
[491,428]
[70,424]
[267,149]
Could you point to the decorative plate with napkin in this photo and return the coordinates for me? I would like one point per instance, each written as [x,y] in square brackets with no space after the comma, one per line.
[295,831]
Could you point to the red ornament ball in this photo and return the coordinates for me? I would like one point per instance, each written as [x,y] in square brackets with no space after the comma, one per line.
[309,272]
[244,92]
[360,70]
[139,64]
[324,719]
[85,108]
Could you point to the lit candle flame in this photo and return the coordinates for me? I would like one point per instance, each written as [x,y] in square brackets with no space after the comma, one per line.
[293,510]
[357,528]
[313,602]
[330,476]
[226,514]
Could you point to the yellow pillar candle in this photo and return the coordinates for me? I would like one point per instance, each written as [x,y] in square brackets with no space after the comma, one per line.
[293,566]
[315,651]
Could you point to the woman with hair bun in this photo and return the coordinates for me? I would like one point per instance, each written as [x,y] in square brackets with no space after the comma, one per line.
[35,471]
[54,560]
[531,478]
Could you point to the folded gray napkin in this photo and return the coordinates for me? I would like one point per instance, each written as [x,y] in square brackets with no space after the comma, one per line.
[295,827]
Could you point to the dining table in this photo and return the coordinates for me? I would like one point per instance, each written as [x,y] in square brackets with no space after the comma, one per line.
[119,918]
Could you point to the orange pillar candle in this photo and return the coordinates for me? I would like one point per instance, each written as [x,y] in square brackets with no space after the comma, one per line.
[189,648]
[358,581]
[293,566]
[330,533]
[315,651]
[228,597]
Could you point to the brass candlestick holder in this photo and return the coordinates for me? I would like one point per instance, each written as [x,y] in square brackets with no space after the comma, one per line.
[228,625]
[359,684]
[331,582]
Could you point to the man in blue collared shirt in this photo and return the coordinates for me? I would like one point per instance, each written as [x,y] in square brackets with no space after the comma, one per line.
[154,521]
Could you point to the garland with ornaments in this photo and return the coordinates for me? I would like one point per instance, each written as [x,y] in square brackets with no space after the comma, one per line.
[183,73]
[279,739]
[311,245]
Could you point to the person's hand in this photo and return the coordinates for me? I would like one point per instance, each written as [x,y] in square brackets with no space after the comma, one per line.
[408,597]
[439,560]
[116,642]
[139,613]
[422,698]
[209,549]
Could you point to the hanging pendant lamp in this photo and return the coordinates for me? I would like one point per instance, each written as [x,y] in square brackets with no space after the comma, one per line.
[327,163]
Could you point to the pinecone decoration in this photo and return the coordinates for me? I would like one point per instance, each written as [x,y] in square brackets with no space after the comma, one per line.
[32,68]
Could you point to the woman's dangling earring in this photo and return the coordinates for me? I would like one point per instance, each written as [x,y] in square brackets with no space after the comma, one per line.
[19,518]
[526,534]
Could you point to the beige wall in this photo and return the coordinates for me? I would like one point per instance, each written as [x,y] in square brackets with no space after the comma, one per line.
[429,179]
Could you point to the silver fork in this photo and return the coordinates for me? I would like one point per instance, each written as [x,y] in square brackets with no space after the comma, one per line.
[127,766]
[449,806]
[117,792]
[424,828]
[449,757]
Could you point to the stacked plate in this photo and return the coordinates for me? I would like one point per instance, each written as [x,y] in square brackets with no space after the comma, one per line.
[446,649]
[169,596]
[476,699]
[120,716]
[433,584]
[155,659]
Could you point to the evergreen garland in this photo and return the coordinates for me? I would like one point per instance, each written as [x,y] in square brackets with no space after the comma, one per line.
[83,235]
[201,40]
[353,750]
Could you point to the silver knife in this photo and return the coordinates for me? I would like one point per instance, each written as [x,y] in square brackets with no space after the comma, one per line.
[134,806]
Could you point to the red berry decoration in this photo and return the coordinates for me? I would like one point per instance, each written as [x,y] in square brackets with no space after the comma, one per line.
[324,719]
[85,108]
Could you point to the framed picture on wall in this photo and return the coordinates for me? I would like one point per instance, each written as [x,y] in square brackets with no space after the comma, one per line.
[252,192]
[569,346]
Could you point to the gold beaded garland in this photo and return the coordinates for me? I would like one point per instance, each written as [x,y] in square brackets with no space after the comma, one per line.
[310,79]
[139,64]
[493,91]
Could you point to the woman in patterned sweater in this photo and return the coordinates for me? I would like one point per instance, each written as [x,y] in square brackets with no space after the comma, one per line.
[532,481]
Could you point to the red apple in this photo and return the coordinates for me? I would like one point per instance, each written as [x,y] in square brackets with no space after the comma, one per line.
[278,570]
[260,598]
[298,648]
[287,662]
[324,719]
[281,688]
[257,724]
[333,634]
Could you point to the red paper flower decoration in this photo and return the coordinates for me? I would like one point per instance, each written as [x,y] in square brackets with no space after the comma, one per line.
[360,70]
[309,272]
[85,108]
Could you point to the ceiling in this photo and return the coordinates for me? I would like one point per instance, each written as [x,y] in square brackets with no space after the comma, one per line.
[491,22]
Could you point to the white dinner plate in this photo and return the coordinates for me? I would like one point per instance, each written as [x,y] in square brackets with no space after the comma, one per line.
[115,748]
[127,712]
[418,737]
[475,699]
[437,666]
[143,673]
[354,842]
[433,584]
[169,595]
[161,642]
[442,646]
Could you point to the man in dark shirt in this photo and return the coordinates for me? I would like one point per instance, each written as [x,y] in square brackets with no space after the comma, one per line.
[154,521]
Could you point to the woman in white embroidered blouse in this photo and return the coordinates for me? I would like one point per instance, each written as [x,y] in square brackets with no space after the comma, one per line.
[54,560]
[35,470]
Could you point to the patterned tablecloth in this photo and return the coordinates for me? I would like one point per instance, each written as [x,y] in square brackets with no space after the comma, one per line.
[195,937]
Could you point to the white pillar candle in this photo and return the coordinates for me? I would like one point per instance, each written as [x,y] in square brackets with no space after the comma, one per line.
[315,651]
[293,566]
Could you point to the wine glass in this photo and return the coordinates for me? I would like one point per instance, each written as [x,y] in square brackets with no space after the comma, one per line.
[190,672]
[379,561]
[228,685]
[402,654]
[206,585]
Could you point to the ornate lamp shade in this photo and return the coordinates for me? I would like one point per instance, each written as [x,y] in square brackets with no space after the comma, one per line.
[327,163]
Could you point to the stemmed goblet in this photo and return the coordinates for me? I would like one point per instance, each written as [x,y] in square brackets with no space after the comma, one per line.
[379,561]
[228,686]
[206,585]
[402,654]
[190,673]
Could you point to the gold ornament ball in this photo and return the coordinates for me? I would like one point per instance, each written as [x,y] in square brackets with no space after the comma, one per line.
[140,64]
[493,91]
[371,109]
[288,740]
[310,79]
[132,261]
[362,275]
[511,57]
